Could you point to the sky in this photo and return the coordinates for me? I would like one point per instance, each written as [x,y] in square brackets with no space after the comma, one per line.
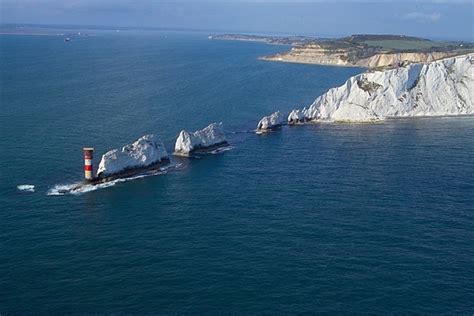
[435,19]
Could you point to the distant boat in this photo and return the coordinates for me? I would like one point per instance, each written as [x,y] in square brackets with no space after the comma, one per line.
[67,39]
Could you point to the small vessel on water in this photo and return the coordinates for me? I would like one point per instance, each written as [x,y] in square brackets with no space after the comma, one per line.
[67,39]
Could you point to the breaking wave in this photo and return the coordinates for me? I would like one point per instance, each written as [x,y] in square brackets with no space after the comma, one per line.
[26,188]
[221,150]
[79,188]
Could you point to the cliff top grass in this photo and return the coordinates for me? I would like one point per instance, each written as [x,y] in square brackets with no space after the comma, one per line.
[370,42]
[403,44]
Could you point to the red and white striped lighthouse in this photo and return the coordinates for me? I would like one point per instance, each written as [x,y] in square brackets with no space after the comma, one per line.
[88,152]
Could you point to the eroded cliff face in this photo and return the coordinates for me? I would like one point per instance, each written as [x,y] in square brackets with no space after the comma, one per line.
[382,60]
[312,54]
[439,88]
[316,54]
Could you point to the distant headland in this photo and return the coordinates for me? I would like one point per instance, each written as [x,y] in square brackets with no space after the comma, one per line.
[369,51]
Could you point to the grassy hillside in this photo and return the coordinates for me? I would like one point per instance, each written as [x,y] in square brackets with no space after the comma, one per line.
[357,47]
[402,44]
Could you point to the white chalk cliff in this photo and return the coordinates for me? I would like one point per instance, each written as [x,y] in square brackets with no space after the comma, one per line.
[210,137]
[146,151]
[267,123]
[439,88]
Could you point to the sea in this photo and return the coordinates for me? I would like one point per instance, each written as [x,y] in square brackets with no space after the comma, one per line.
[315,219]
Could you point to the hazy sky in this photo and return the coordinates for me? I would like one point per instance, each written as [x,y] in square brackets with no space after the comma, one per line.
[448,19]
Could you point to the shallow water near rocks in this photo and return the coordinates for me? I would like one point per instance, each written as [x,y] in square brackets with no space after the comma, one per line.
[314,218]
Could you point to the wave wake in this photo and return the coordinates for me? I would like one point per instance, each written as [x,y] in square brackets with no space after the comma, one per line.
[26,188]
[221,150]
[79,188]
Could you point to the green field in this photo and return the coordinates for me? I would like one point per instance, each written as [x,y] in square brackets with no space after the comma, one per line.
[403,44]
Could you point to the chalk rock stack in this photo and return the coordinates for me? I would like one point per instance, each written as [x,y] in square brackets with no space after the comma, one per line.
[144,152]
[210,137]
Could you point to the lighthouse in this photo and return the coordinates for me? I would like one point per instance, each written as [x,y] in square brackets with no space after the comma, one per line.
[88,152]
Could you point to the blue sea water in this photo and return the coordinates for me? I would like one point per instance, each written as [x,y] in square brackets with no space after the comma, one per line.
[324,218]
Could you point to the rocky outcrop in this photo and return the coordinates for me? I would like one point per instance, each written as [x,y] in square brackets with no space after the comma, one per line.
[296,116]
[440,88]
[144,152]
[269,123]
[212,136]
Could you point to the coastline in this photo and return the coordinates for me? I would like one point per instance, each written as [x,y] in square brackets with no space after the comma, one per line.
[304,62]
[378,61]
[360,50]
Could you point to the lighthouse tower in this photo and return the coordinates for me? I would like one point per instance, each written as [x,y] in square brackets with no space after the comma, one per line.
[88,152]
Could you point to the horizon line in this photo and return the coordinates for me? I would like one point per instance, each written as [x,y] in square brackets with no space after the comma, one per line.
[223,31]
